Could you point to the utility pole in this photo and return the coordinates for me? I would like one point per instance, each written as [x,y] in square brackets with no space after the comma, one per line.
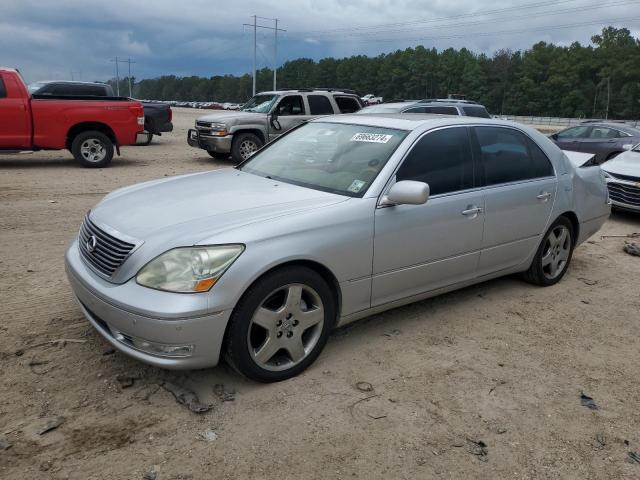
[255,46]
[117,76]
[606,115]
[129,61]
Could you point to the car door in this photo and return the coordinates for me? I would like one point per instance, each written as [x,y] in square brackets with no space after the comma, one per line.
[418,248]
[602,141]
[291,111]
[519,190]
[572,138]
[15,123]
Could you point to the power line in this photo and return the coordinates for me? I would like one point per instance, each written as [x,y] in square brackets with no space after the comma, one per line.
[438,19]
[480,22]
[255,45]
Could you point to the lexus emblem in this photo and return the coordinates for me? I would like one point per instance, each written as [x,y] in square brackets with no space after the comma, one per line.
[92,243]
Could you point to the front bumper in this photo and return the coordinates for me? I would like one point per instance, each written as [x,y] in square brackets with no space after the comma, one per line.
[209,142]
[130,328]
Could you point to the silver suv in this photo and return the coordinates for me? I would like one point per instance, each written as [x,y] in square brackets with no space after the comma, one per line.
[265,117]
[447,106]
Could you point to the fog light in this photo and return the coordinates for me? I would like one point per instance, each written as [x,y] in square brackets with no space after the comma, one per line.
[155,348]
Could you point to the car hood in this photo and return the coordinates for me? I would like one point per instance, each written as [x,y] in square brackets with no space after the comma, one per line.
[627,163]
[189,208]
[231,116]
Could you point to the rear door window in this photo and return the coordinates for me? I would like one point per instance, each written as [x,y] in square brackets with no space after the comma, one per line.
[603,133]
[3,89]
[510,156]
[417,110]
[347,104]
[475,111]
[319,105]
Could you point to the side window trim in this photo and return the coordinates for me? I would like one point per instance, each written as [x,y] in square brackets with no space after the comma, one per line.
[3,88]
[480,166]
[392,178]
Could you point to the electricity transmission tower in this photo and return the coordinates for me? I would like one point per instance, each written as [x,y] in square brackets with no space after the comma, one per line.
[128,61]
[255,46]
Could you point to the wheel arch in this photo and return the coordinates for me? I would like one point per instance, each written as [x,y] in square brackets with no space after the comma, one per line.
[255,131]
[575,223]
[79,128]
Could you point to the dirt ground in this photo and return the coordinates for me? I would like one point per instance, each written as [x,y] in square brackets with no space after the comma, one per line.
[501,364]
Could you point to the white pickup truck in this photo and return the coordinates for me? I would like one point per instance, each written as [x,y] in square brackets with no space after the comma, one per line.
[370,99]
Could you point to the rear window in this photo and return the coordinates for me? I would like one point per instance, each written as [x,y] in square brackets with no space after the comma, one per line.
[347,104]
[3,90]
[442,110]
[319,105]
[74,89]
[475,111]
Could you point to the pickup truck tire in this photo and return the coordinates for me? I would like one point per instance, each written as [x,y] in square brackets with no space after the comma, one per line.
[244,145]
[218,155]
[92,149]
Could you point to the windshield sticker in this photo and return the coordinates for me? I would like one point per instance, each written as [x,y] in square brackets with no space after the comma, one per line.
[356,186]
[371,137]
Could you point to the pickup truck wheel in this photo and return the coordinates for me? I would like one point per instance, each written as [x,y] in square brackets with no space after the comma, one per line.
[92,149]
[244,145]
[553,256]
[218,155]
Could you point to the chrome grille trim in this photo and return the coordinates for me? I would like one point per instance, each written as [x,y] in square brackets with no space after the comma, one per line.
[624,193]
[109,253]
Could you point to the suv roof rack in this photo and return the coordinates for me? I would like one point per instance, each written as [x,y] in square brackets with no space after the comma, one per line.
[447,100]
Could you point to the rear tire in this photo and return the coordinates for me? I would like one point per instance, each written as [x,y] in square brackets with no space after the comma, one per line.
[244,145]
[280,325]
[218,155]
[92,149]
[553,256]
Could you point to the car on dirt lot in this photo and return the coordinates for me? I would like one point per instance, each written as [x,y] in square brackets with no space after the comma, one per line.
[623,179]
[604,139]
[341,218]
[91,127]
[265,117]
[441,107]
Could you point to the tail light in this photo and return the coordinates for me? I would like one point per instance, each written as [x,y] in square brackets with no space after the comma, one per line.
[138,111]
[170,115]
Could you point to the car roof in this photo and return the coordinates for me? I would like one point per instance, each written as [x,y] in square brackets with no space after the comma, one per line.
[305,90]
[415,121]
[68,82]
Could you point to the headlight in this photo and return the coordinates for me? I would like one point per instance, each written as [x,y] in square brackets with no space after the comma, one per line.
[188,269]
[218,127]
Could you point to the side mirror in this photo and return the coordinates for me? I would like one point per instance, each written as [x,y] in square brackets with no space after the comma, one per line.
[554,136]
[407,192]
[274,121]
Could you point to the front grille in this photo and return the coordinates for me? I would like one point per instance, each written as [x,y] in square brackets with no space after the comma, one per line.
[623,193]
[203,124]
[102,251]
[625,177]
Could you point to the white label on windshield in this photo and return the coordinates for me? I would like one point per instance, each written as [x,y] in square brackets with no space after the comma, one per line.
[371,137]
[356,186]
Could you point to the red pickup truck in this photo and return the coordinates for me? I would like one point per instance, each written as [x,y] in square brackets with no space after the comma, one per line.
[91,128]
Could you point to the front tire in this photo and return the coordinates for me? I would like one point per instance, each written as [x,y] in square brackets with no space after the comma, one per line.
[244,145]
[280,325]
[553,256]
[92,149]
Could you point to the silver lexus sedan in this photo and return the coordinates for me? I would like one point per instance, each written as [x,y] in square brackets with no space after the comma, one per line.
[338,219]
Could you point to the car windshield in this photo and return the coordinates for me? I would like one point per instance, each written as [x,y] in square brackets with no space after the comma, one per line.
[332,157]
[259,103]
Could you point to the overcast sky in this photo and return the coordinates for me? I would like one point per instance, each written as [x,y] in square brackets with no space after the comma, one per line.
[56,39]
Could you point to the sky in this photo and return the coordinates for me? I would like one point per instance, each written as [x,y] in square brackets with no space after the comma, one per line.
[65,39]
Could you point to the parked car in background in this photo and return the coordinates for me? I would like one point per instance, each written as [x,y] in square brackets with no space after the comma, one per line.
[91,127]
[623,179]
[371,99]
[604,139]
[157,115]
[264,118]
[442,107]
[341,218]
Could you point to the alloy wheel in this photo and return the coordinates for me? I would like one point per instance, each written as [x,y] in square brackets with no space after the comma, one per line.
[557,249]
[286,327]
[93,150]
[247,148]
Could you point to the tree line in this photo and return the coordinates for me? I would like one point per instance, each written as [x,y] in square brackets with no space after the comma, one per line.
[547,79]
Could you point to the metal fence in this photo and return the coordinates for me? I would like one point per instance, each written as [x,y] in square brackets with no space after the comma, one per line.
[560,121]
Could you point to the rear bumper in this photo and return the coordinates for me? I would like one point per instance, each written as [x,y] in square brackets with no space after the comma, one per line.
[156,129]
[206,142]
[131,330]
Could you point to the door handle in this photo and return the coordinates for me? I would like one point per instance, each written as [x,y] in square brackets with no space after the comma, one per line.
[472,210]
[544,196]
